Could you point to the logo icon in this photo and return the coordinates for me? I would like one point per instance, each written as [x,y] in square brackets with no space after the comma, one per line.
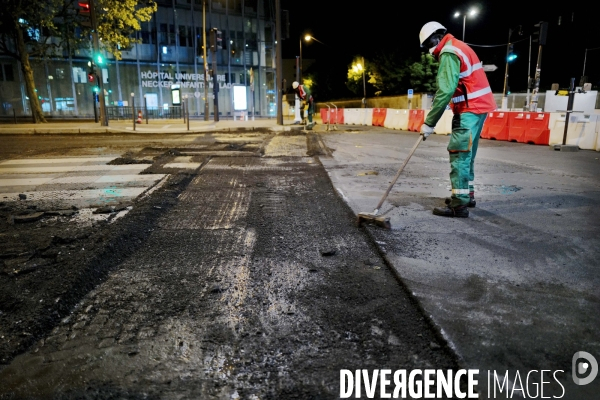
[589,366]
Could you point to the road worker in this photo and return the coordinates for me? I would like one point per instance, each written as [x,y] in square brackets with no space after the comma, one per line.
[305,95]
[463,85]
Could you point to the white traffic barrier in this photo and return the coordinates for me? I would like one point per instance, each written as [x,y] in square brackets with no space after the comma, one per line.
[581,132]
[444,125]
[402,121]
[598,133]
[367,116]
[351,116]
[391,118]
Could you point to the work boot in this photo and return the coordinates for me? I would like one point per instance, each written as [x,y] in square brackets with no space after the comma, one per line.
[472,203]
[459,211]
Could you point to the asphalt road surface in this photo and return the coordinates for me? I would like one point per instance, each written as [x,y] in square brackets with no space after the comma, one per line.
[230,266]
[237,273]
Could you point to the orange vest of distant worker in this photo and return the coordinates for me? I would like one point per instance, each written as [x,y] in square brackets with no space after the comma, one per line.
[473,93]
[301,92]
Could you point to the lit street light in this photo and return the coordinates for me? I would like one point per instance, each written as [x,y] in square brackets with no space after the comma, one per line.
[359,67]
[307,38]
[471,13]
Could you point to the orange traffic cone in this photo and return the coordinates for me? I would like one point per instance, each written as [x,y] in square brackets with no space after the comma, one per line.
[139,120]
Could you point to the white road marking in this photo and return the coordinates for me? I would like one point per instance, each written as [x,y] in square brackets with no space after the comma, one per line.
[57,160]
[78,168]
[26,176]
[183,165]
[100,194]
[24,182]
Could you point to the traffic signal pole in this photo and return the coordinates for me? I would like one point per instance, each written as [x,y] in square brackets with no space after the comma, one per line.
[540,37]
[206,110]
[536,82]
[96,50]
[278,62]
[505,89]
[215,44]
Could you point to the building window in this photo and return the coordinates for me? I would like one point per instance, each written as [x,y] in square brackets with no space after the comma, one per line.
[163,34]
[60,73]
[172,35]
[6,73]
[183,36]
[145,33]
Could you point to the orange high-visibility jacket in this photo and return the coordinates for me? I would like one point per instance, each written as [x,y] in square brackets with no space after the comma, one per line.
[473,93]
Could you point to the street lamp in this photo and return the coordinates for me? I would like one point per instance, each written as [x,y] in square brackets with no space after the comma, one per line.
[307,38]
[472,12]
[359,67]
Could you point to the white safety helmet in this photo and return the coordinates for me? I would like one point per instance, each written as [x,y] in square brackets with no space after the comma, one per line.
[295,85]
[429,29]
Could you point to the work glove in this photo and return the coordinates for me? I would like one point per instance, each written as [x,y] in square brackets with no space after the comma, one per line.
[426,130]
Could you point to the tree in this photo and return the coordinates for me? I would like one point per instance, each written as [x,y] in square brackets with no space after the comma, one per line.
[356,69]
[119,21]
[35,29]
[392,73]
[423,74]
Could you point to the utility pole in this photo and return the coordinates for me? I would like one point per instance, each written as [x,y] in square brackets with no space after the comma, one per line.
[536,81]
[278,62]
[364,100]
[510,56]
[206,110]
[541,39]
[529,73]
[96,52]
[215,45]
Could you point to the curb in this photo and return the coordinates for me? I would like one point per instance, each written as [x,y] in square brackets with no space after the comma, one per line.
[76,131]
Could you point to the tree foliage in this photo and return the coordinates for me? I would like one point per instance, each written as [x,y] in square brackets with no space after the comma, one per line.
[422,74]
[392,74]
[34,29]
[118,20]
[360,73]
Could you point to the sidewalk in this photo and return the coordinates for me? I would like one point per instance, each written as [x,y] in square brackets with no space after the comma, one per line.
[154,126]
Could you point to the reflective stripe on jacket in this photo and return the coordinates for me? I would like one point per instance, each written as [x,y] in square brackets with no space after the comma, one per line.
[473,93]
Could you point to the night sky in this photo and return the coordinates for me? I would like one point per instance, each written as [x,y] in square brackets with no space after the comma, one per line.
[348,29]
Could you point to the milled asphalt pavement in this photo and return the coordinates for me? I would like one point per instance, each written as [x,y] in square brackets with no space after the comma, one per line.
[512,288]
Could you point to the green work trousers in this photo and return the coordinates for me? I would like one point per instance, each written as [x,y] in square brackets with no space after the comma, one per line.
[466,129]
[311,110]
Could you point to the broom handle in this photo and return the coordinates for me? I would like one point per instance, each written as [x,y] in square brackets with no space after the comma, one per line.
[398,174]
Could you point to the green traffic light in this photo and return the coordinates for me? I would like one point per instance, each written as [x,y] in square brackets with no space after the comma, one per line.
[96,89]
[99,59]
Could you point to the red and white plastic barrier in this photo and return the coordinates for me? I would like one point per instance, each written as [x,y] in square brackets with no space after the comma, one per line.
[582,130]
[391,118]
[524,127]
[537,131]
[415,120]
[496,126]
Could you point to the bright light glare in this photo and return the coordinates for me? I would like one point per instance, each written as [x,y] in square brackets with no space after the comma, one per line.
[473,12]
[359,66]
[456,14]
[307,38]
